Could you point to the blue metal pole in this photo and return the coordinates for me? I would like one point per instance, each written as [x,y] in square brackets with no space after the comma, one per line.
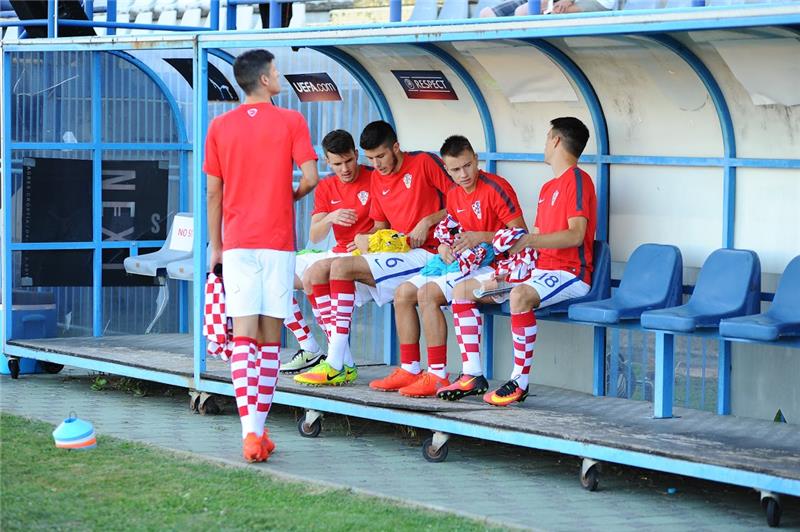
[111,16]
[665,375]
[724,379]
[395,10]
[389,336]
[51,19]
[200,111]
[214,15]
[274,14]
[599,368]
[535,6]
[488,345]
[7,272]
[183,202]
[97,197]
[88,7]
[230,18]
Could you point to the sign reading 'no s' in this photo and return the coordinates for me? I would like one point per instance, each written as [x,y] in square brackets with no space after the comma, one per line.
[318,87]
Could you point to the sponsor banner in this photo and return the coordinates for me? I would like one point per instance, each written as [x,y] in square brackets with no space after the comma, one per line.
[318,87]
[57,207]
[425,85]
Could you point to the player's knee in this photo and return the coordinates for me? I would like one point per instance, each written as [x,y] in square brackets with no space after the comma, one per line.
[522,10]
[523,298]
[341,268]
[463,291]
[405,294]
[487,12]
[430,295]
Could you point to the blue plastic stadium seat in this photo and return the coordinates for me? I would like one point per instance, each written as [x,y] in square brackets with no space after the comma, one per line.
[424,10]
[729,284]
[454,10]
[652,279]
[782,318]
[601,283]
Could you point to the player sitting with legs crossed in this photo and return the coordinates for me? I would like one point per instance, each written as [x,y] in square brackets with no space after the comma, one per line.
[477,207]
[407,195]
[563,236]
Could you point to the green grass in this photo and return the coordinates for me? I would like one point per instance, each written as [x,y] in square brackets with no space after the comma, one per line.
[121,485]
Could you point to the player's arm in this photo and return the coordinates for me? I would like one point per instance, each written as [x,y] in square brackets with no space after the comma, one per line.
[568,238]
[362,241]
[214,207]
[322,222]
[309,179]
[419,234]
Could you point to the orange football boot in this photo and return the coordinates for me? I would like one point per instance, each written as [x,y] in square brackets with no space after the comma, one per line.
[399,378]
[425,386]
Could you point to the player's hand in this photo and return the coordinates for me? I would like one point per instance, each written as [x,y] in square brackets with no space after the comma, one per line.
[362,242]
[562,6]
[343,217]
[466,240]
[215,257]
[446,254]
[521,244]
[351,247]
[419,234]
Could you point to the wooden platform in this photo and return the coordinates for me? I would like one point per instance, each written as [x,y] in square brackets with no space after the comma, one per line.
[741,444]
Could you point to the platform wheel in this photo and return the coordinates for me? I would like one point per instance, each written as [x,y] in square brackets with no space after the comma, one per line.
[194,401]
[309,430]
[51,367]
[772,507]
[591,478]
[434,455]
[13,367]
[208,405]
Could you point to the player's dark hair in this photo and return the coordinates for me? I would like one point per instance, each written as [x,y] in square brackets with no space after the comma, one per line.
[573,133]
[338,142]
[377,134]
[455,145]
[249,66]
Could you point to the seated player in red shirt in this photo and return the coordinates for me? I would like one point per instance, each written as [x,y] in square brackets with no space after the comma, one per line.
[341,203]
[408,190]
[481,203]
[563,236]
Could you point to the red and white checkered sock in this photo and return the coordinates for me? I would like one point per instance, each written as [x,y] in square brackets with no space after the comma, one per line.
[409,358]
[267,366]
[297,324]
[343,297]
[317,315]
[523,333]
[468,324]
[244,353]
[321,296]
[437,360]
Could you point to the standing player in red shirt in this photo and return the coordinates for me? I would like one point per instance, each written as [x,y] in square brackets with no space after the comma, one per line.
[563,236]
[249,156]
[482,203]
[341,202]
[408,190]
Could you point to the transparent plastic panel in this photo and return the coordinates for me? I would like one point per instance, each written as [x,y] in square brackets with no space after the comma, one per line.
[51,96]
[135,109]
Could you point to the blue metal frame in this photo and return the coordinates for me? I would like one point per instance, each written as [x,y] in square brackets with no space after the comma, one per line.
[490,137]
[97,147]
[364,78]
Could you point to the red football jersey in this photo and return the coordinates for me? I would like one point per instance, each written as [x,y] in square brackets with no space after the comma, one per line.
[489,207]
[252,148]
[567,196]
[331,195]
[415,191]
